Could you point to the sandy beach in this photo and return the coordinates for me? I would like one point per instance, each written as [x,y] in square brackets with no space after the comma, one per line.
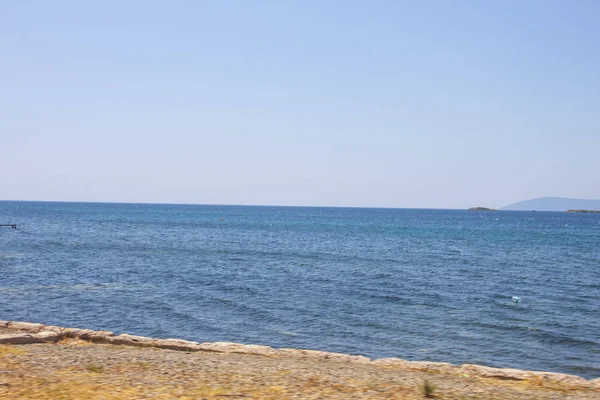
[46,362]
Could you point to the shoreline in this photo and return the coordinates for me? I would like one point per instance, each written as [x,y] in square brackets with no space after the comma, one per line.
[24,333]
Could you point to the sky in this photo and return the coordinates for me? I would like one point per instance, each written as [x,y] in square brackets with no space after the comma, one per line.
[426,104]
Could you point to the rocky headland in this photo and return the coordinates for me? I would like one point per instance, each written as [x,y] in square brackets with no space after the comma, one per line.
[481,209]
[583,211]
[49,362]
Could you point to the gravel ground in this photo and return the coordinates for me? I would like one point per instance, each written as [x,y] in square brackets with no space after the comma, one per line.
[76,369]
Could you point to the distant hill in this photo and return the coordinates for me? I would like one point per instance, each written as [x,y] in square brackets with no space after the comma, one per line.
[554,204]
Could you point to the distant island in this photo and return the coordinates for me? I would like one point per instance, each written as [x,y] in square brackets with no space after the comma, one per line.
[481,209]
[554,204]
[584,211]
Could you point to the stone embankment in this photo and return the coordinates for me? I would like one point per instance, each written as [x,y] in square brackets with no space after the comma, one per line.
[24,333]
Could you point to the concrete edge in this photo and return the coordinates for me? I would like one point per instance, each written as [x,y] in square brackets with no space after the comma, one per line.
[39,333]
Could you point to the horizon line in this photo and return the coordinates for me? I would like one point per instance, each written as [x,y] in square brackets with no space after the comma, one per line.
[255,205]
[227,204]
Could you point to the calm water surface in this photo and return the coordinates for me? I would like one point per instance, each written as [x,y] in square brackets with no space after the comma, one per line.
[416,284]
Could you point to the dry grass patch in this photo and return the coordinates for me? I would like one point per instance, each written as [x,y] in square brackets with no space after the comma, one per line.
[9,350]
[91,385]
[74,342]
[95,368]
[428,389]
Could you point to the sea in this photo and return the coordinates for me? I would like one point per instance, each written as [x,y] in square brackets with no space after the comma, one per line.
[507,289]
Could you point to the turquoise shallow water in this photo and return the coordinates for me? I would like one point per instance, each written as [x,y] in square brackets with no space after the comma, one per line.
[415,284]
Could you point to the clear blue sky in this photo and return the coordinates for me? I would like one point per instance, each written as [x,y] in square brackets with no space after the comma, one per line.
[445,104]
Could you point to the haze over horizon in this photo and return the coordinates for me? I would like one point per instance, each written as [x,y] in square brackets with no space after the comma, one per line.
[383,104]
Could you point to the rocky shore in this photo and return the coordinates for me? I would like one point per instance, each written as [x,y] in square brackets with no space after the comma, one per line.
[48,362]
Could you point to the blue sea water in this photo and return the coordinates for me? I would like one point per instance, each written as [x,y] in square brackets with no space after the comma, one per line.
[416,284]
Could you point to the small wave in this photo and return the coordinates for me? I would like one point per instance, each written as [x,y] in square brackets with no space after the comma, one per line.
[227,302]
[11,290]
[82,287]
[497,326]
[9,254]
[562,339]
